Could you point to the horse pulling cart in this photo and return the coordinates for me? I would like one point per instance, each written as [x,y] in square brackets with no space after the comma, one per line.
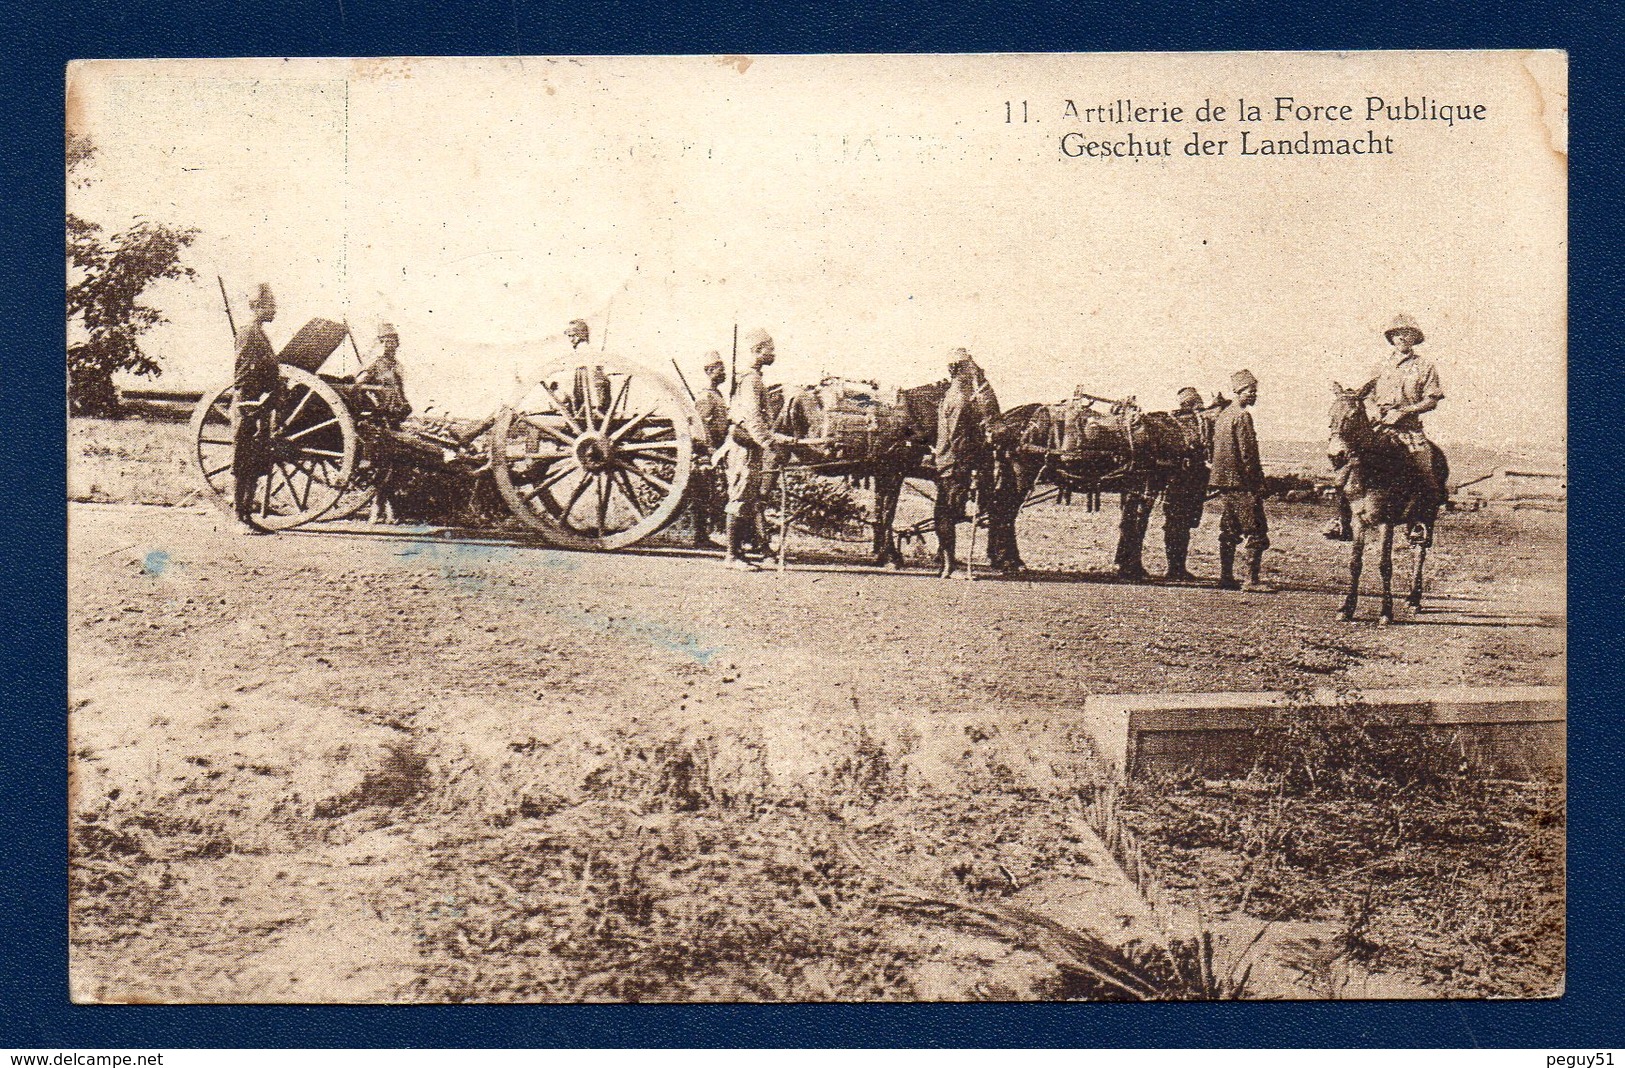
[597,455]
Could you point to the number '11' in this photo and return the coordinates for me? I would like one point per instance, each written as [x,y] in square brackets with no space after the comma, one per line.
[1009,112]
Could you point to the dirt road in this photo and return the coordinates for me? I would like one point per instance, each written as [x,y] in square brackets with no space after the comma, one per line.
[300,736]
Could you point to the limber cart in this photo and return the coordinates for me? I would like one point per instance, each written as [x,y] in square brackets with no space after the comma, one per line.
[596,455]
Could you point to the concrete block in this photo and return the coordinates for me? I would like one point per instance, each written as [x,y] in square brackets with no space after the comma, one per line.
[1504,732]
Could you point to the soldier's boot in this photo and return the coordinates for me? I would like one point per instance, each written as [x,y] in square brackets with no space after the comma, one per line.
[1176,541]
[735,557]
[1227,567]
[946,538]
[702,525]
[243,507]
[1255,567]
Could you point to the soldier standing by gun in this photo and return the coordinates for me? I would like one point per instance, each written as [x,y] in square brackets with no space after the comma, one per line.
[255,385]
[384,385]
[712,408]
[1187,492]
[750,440]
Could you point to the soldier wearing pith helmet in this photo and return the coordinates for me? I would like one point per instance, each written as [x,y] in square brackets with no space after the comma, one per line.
[1404,386]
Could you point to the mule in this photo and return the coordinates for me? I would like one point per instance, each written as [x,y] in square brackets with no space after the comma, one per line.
[1137,457]
[1386,488]
[894,452]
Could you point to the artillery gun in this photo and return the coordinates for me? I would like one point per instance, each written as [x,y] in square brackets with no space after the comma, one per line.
[596,455]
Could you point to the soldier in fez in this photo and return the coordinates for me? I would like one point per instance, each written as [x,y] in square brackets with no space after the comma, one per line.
[1186,493]
[751,439]
[1238,475]
[255,385]
[712,408]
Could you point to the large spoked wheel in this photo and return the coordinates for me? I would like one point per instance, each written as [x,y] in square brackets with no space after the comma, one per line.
[310,452]
[596,456]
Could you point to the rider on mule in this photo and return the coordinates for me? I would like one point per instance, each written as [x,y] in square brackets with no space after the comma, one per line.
[1404,387]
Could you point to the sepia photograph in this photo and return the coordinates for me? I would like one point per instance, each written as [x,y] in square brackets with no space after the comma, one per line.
[817,528]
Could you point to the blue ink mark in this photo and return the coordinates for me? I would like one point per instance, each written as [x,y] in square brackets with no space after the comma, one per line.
[659,635]
[156,563]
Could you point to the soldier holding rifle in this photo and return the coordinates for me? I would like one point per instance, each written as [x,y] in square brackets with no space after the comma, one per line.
[751,439]
[255,385]
[712,408]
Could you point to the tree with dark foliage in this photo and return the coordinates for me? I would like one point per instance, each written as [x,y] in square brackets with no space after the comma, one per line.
[106,277]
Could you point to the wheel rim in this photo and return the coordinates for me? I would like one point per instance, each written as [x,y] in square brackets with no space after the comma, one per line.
[312,452]
[596,456]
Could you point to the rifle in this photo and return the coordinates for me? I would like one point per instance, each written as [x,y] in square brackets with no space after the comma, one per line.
[230,321]
[684,380]
[733,365]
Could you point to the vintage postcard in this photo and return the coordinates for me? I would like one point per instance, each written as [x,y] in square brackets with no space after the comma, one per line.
[817,528]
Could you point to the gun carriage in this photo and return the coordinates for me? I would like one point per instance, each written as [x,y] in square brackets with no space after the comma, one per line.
[596,455]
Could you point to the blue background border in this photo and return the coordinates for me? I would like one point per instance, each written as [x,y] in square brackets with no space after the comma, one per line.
[34,1010]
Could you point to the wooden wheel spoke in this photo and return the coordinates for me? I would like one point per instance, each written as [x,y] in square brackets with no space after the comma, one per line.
[614,405]
[316,473]
[630,491]
[627,427]
[653,481]
[551,479]
[648,446]
[552,432]
[301,500]
[564,410]
[323,425]
[297,408]
[576,495]
[218,470]
[214,441]
[602,479]
[307,450]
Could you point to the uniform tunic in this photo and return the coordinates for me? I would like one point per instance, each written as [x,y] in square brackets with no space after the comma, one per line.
[712,409]
[388,387]
[1238,472]
[256,378]
[1187,491]
[256,371]
[748,443]
[1403,383]
[961,451]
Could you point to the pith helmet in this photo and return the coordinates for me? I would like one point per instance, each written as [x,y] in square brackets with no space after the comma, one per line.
[387,330]
[577,330]
[1404,324]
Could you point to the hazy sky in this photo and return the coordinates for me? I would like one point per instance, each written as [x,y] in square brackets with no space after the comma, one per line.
[870,212]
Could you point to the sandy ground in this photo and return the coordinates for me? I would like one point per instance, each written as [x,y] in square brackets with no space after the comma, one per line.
[278,737]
